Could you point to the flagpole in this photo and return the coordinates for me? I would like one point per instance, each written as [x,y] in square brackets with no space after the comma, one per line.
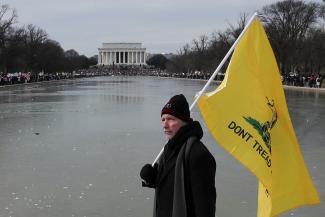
[215,72]
[223,61]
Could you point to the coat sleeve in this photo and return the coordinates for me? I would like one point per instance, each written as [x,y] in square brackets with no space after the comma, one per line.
[202,181]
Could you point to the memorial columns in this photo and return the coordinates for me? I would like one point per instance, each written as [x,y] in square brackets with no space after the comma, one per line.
[121,53]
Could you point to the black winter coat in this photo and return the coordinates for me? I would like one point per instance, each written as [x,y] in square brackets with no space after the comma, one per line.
[185,181]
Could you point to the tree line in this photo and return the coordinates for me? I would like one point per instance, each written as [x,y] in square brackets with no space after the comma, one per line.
[295,28]
[28,48]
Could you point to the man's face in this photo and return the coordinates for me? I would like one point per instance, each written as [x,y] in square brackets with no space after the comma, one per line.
[171,125]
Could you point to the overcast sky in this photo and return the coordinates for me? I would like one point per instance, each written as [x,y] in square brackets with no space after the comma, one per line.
[163,26]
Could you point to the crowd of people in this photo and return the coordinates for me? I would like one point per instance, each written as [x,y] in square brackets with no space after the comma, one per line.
[292,79]
[28,77]
[303,80]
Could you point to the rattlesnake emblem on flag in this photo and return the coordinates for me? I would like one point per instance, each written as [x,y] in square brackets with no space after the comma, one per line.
[265,128]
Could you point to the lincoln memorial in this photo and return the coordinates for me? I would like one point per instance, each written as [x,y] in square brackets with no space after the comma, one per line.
[122,54]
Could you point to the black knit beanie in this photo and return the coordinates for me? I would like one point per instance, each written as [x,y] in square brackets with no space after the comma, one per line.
[178,107]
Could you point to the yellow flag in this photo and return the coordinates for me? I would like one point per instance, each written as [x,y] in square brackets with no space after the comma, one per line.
[248,116]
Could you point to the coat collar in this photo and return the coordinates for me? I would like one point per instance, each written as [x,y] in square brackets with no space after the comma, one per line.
[168,159]
[166,168]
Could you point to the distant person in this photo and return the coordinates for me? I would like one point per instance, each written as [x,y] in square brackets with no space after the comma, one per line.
[184,176]
[312,80]
[319,81]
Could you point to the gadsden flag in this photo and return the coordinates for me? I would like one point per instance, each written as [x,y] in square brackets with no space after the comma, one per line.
[248,116]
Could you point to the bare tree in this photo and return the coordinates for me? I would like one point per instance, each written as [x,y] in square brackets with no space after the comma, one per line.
[34,37]
[201,44]
[35,34]
[235,31]
[287,23]
[205,53]
[52,57]
[7,19]
[294,29]
[182,62]
[184,50]
[313,55]
[15,60]
[322,10]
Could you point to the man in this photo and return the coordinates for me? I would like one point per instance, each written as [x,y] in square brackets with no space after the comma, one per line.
[184,177]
